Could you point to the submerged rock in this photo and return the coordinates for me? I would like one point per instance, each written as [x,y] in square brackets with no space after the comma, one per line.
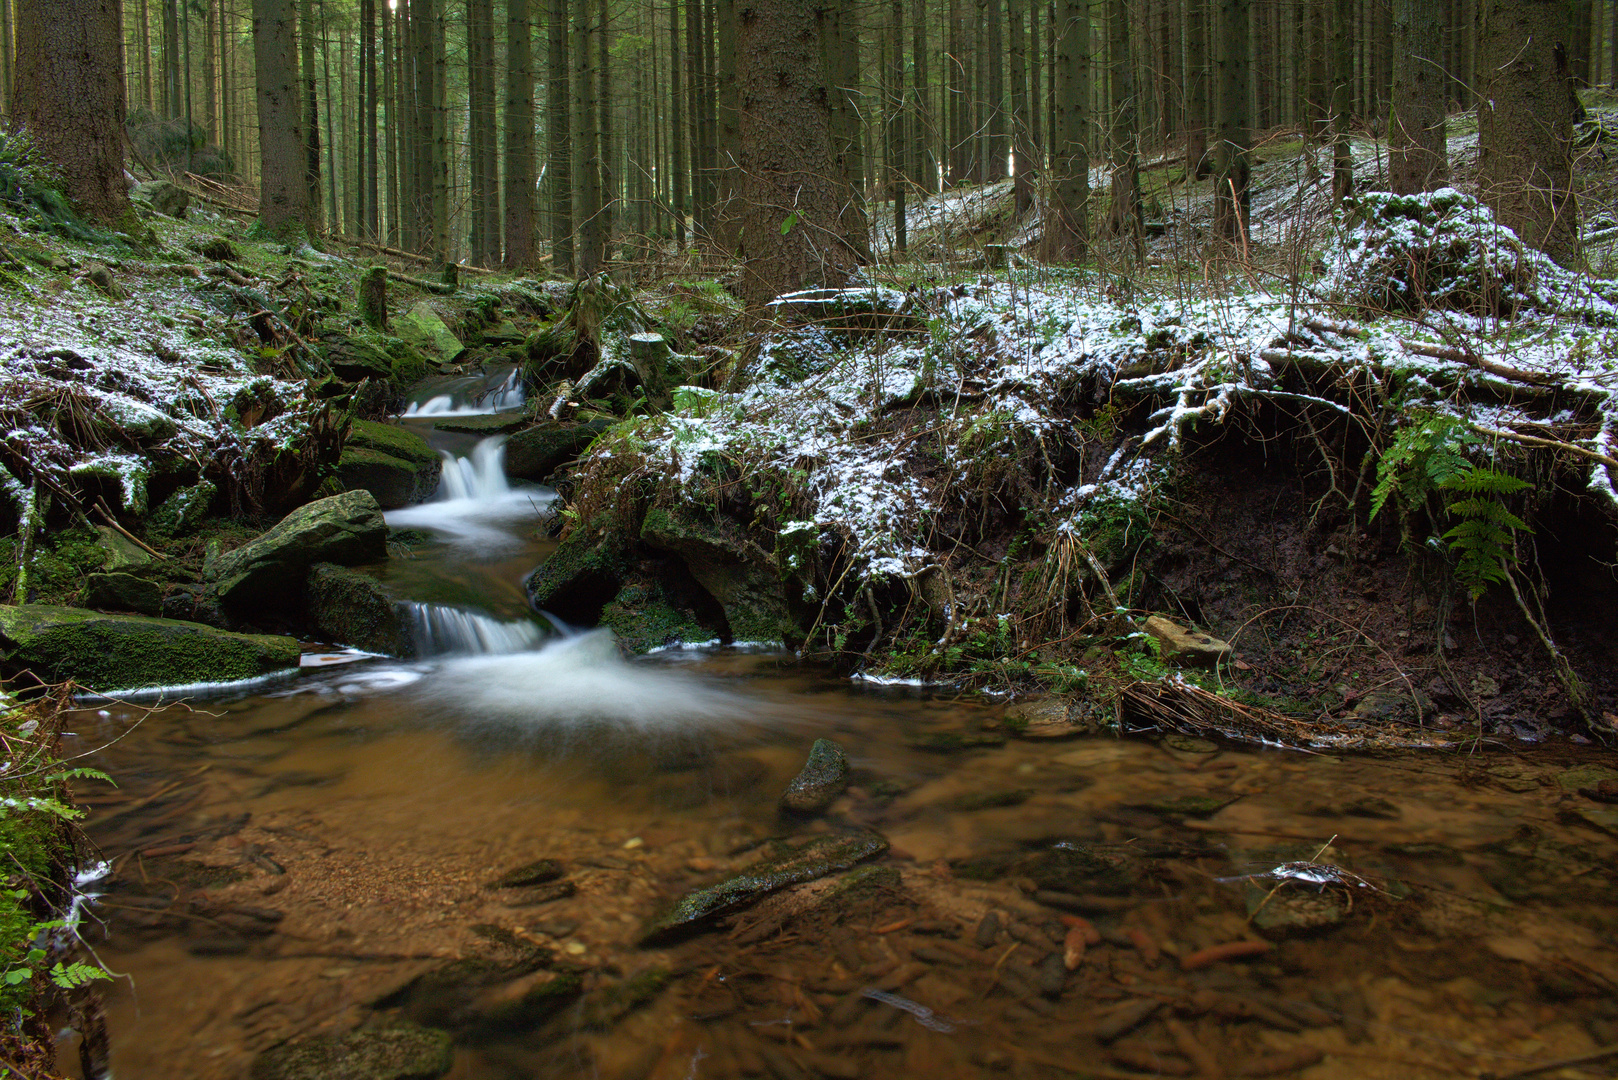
[823,778]
[346,529]
[391,462]
[583,574]
[537,452]
[399,1050]
[1182,646]
[534,873]
[128,652]
[818,857]
[350,608]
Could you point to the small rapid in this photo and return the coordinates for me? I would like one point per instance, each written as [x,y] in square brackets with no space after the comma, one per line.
[443,630]
[476,507]
[472,396]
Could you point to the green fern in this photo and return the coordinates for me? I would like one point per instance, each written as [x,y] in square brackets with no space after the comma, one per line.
[1424,456]
[1481,540]
[76,974]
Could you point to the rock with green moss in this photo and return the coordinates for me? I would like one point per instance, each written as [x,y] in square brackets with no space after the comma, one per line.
[422,328]
[731,566]
[123,592]
[129,652]
[393,463]
[646,616]
[346,529]
[356,357]
[583,574]
[350,608]
[121,551]
[500,423]
[164,196]
[823,777]
[607,1005]
[536,452]
[182,511]
[818,857]
[398,1050]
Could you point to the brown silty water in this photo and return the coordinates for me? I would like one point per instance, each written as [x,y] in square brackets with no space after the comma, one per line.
[323,854]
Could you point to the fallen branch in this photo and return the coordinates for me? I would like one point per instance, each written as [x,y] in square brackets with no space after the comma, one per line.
[1493,367]
[101,508]
[1551,444]
[416,256]
[423,284]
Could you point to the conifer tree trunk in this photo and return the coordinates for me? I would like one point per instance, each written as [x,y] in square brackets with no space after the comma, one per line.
[519,190]
[680,205]
[283,179]
[729,119]
[1526,105]
[225,112]
[145,16]
[1231,170]
[956,94]
[791,200]
[587,147]
[334,205]
[173,102]
[996,143]
[439,150]
[1196,89]
[372,216]
[1022,171]
[483,170]
[893,143]
[1342,97]
[1418,159]
[210,110]
[558,138]
[605,148]
[1068,210]
[311,113]
[924,159]
[1124,214]
[390,122]
[69,92]
[1036,98]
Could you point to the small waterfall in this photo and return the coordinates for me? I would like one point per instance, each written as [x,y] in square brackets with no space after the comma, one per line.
[480,476]
[474,397]
[440,630]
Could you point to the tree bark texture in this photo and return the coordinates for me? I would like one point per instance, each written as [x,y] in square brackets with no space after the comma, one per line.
[69,93]
[519,189]
[558,139]
[1124,216]
[1418,159]
[283,185]
[311,112]
[791,192]
[1067,213]
[1525,124]
[1341,105]
[1231,170]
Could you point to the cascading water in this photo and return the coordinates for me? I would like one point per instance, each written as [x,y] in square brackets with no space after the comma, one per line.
[472,396]
[476,506]
[441,630]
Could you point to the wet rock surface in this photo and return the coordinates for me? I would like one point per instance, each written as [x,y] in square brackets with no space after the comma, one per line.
[812,859]
[346,529]
[823,777]
[351,608]
[123,652]
[394,464]
[536,452]
[397,1051]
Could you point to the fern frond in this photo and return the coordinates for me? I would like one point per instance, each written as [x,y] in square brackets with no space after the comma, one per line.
[76,974]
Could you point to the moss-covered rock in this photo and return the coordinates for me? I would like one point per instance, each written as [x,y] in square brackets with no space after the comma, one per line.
[733,568]
[356,357]
[351,608]
[583,574]
[398,1050]
[393,463]
[644,617]
[182,511]
[822,779]
[422,328]
[814,859]
[123,592]
[346,529]
[501,423]
[127,652]
[537,452]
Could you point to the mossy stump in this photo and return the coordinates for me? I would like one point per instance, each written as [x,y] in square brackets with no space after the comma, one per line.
[373,297]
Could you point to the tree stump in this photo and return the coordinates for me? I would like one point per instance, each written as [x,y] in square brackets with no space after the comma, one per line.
[373,297]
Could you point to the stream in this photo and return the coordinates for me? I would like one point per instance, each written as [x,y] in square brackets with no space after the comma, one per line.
[305,856]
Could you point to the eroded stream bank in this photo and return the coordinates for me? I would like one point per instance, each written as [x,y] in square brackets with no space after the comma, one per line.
[325,857]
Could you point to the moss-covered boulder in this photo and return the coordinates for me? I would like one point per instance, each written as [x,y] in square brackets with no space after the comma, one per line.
[350,608]
[423,329]
[393,463]
[819,856]
[823,777]
[537,452]
[182,511]
[356,357]
[583,574]
[346,529]
[728,563]
[500,423]
[123,592]
[648,615]
[398,1050]
[129,652]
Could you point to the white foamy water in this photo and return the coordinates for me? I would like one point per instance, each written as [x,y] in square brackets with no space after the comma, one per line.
[438,630]
[480,400]
[579,682]
[476,506]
